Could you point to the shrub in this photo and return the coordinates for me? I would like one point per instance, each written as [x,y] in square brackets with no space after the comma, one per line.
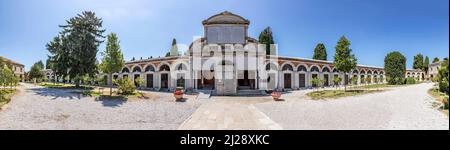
[410,81]
[445,101]
[443,77]
[125,86]
[395,67]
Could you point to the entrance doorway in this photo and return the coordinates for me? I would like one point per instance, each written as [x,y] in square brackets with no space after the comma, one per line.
[149,80]
[246,83]
[165,81]
[287,81]
[302,80]
[326,79]
[136,76]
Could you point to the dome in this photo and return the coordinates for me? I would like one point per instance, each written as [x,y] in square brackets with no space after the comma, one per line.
[226,18]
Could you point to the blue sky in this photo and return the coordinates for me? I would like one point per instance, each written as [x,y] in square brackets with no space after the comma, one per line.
[146,27]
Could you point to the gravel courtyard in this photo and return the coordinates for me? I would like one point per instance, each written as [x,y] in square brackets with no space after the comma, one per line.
[41,108]
[402,108]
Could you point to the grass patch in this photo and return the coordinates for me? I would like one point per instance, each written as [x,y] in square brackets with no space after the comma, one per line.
[333,94]
[64,86]
[5,96]
[104,95]
[378,86]
[440,98]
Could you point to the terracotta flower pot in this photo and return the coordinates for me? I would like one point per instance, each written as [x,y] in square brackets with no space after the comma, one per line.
[178,96]
[276,96]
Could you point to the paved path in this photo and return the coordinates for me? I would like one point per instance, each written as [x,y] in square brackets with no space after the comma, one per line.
[402,108]
[37,108]
[230,113]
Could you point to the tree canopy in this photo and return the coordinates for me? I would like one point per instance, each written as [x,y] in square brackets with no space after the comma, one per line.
[395,67]
[36,71]
[418,62]
[435,60]
[112,60]
[75,49]
[426,63]
[266,38]
[320,52]
[344,60]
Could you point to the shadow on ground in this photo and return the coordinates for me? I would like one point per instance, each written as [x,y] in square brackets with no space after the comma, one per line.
[112,101]
[55,93]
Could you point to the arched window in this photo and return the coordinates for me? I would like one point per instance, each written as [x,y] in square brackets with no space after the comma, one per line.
[137,69]
[355,71]
[271,66]
[164,68]
[315,69]
[325,69]
[363,72]
[149,68]
[181,67]
[375,72]
[369,72]
[125,70]
[302,68]
[335,70]
[287,67]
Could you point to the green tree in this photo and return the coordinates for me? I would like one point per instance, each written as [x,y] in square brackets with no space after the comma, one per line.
[266,38]
[112,58]
[418,62]
[59,57]
[4,61]
[174,49]
[426,63]
[125,86]
[395,67]
[36,72]
[139,82]
[367,80]
[337,81]
[355,80]
[320,52]
[443,77]
[84,35]
[344,60]
[41,64]
[435,60]
[5,75]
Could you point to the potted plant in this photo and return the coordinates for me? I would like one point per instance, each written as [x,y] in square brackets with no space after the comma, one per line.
[178,94]
[276,95]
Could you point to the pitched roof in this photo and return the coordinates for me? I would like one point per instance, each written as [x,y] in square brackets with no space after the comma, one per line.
[12,62]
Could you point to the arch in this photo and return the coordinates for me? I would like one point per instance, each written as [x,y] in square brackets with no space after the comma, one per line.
[181,67]
[137,68]
[362,72]
[164,67]
[381,72]
[326,69]
[375,72]
[271,66]
[369,72]
[335,70]
[125,70]
[355,71]
[302,68]
[150,68]
[287,67]
[314,69]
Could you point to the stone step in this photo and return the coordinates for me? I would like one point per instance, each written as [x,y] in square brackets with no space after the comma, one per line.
[249,92]
[204,94]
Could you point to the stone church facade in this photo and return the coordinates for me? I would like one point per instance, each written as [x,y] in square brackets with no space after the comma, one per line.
[226,61]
